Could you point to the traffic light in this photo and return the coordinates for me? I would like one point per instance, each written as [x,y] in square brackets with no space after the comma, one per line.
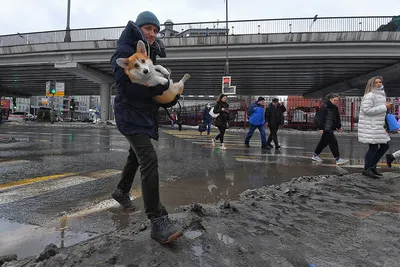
[53,87]
[72,104]
[14,103]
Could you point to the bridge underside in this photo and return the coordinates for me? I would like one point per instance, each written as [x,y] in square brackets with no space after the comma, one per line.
[251,76]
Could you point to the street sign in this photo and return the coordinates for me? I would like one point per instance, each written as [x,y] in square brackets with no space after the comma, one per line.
[231,90]
[60,89]
[48,89]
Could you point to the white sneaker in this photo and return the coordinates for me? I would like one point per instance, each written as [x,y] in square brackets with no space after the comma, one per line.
[213,141]
[223,146]
[316,158]
[341,161]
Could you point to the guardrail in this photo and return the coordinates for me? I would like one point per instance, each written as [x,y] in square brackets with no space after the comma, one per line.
[213,28]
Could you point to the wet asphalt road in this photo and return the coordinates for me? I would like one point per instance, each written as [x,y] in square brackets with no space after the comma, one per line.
[74,170]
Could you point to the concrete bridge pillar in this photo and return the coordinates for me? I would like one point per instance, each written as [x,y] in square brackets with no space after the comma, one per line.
[105,101]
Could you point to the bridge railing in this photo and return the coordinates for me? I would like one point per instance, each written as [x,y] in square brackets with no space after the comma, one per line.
[213,28]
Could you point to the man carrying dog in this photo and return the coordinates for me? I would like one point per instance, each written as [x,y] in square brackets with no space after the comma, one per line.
[136,117]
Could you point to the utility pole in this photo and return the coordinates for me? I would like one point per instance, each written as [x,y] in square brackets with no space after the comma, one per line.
[68,30]
[227,39]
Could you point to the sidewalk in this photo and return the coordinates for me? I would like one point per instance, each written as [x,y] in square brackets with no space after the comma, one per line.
[323,220]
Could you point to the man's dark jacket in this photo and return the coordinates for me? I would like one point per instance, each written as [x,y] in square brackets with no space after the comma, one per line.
[274,115]
[135,110]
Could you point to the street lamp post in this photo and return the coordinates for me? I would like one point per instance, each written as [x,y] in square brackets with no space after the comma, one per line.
[227,40]
[68,30]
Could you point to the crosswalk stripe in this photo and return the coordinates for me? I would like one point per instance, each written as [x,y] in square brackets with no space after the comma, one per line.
[54,183]
[34,180]
[7,162]
[39,189]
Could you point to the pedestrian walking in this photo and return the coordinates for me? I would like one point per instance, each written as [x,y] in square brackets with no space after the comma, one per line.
[207,119]
[221,122]
[273,119]
[136,116]
[256,115]
[371,125]
[328,121]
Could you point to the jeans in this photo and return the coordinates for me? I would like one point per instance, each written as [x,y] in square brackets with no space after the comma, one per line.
[208,126]
[328,138]
[251,132]
[142,153]
[273,135]
[374,154]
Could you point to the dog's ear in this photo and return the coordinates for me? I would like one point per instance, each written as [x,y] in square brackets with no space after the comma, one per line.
[122,62]
[141,48]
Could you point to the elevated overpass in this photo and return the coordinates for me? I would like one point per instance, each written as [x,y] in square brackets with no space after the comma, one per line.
[310,62]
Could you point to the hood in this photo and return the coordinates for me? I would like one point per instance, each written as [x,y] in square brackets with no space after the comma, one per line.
[132,34]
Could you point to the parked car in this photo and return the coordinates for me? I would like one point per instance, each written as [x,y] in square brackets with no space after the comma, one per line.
[17,116]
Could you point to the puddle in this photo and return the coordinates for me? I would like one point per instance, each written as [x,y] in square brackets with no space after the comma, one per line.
[193,234]
[198,250]
[30,240]
[226,239]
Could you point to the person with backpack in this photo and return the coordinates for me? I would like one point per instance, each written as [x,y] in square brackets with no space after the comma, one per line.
[328,121]
[257,121]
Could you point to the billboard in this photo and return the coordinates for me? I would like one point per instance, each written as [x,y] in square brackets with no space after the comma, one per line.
[5,103]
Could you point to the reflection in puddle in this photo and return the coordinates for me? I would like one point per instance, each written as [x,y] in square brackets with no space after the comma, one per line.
[193,234]
[29,240]
[226,239]
[198,250]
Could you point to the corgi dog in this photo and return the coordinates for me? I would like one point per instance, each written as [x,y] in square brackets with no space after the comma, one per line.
[140,69]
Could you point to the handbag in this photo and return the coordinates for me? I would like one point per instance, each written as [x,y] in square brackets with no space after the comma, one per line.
[202,128]
[214,115]
[392,123]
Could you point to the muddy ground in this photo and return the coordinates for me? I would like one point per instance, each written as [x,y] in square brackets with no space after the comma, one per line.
[311,221]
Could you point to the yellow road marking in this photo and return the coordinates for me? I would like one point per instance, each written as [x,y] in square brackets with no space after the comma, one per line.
[101,174]
[384,164]
[35,180]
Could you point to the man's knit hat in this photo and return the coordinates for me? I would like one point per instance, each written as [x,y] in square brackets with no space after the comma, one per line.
[147,17]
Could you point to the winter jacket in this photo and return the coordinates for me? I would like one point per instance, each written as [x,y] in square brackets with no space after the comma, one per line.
[328,117]
[222,119]
[273,116]
[135,110]
[206,115]
[256,114]
[372,116]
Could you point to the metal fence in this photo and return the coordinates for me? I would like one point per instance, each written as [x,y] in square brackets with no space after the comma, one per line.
[300,112]
[237,27]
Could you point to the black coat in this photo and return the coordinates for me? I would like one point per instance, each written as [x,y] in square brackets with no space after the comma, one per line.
[274,115]
[135,110]
[328,117]
[223,117]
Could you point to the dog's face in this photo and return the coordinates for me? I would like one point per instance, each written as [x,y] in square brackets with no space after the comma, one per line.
[138,65]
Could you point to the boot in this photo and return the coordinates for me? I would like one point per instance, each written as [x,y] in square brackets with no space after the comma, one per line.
[375,171]
[123,199]
[389,160]
[163,230]
[368,172]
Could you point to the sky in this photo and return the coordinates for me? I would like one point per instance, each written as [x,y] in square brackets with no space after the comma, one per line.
[42,15]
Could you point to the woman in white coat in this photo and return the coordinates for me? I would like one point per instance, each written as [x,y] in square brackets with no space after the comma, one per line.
[371,125]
